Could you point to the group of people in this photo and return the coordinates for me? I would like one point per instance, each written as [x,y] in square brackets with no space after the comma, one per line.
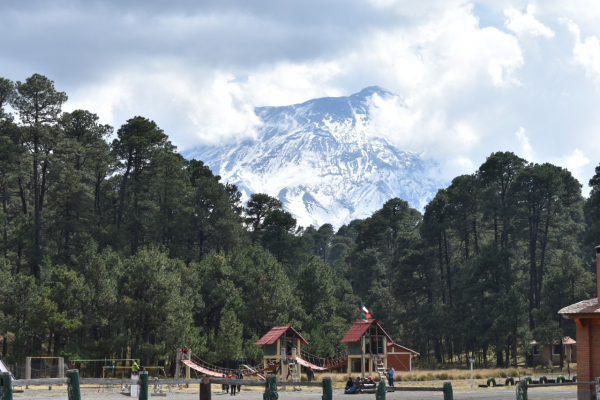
[354,386]
[235,375]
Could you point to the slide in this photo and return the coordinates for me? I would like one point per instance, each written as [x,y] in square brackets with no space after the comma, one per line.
[4,368]
[254,371]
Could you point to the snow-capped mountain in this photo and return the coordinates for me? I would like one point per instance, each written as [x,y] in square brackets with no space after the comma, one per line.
[323,161]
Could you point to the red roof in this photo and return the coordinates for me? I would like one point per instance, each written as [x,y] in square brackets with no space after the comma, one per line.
[565,341]
[390,344]
[359,328]
[278,331]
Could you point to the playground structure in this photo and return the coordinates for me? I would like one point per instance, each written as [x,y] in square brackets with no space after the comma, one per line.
[283,358]
[367,348]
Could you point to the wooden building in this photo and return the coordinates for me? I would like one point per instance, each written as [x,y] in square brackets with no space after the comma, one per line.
[281,343]
[368,338]
[540,355]
[399,357]
[587,321]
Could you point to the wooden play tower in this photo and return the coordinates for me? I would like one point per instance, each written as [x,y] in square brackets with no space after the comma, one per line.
[281,345]
[367,348]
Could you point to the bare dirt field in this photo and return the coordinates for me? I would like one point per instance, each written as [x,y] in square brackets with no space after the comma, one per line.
[94,393]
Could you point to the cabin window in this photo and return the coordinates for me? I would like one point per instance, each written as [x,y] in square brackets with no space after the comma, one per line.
[536,350]
[558,349]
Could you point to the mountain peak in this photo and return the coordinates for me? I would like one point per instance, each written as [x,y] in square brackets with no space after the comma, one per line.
[371,90]
[323,161]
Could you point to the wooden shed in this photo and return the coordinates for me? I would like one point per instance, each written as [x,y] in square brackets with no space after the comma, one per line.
[400,357]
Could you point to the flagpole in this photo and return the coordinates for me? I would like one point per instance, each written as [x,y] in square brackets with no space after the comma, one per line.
[362,347]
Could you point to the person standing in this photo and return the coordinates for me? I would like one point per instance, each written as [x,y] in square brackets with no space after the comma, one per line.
[233,387]
[239,376]
[391,376]
[310,374]
[225,387]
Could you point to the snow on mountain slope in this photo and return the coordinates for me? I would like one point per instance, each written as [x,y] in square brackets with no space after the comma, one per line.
[323,161]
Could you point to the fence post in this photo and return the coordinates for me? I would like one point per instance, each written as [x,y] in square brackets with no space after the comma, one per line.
[327,389]
[271,389]
[381,391]
[522,390]
[6,391]
[205,389]
[61,367]
[448,394]
[73,390]
[143,385]
[27,370]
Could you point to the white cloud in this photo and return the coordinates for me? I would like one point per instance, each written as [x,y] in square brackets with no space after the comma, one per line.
[523,139]
[586,53]
[525,23]
[575,162]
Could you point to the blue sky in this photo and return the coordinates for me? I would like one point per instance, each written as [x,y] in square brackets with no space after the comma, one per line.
[476,77]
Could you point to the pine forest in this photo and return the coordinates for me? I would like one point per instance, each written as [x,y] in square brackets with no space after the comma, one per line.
[113,244]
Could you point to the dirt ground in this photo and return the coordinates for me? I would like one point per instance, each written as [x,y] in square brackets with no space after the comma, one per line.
[114,393]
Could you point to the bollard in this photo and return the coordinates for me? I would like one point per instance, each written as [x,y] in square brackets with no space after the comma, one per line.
[522,390]
[143,385]
[6,391]
[448,394]
[73,390]
[381,391]
[271,389]
[327,389]
[205,389]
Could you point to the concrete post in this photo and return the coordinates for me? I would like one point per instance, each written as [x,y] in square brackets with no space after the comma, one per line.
[597,388]
[73,390]
[6,391]
[205,389]
[271,389]
[27,370]
[327,389]
[522,390]
[448,395]
[143,385]
[61,367]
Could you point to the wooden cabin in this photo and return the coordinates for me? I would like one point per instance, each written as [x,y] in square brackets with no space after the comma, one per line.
[368,338]
[281,342]
[400,357]
[540,355]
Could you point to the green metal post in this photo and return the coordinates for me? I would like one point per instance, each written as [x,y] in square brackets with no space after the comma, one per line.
[327,389]
[73,390]
[381,391]
[448,394]
[271,389]
[6,391]
[522,390]
[143,385]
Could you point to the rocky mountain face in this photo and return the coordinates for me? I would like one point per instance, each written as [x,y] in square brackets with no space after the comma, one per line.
[323,160]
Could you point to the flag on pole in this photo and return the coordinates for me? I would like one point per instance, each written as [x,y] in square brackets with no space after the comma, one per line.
[364,313]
